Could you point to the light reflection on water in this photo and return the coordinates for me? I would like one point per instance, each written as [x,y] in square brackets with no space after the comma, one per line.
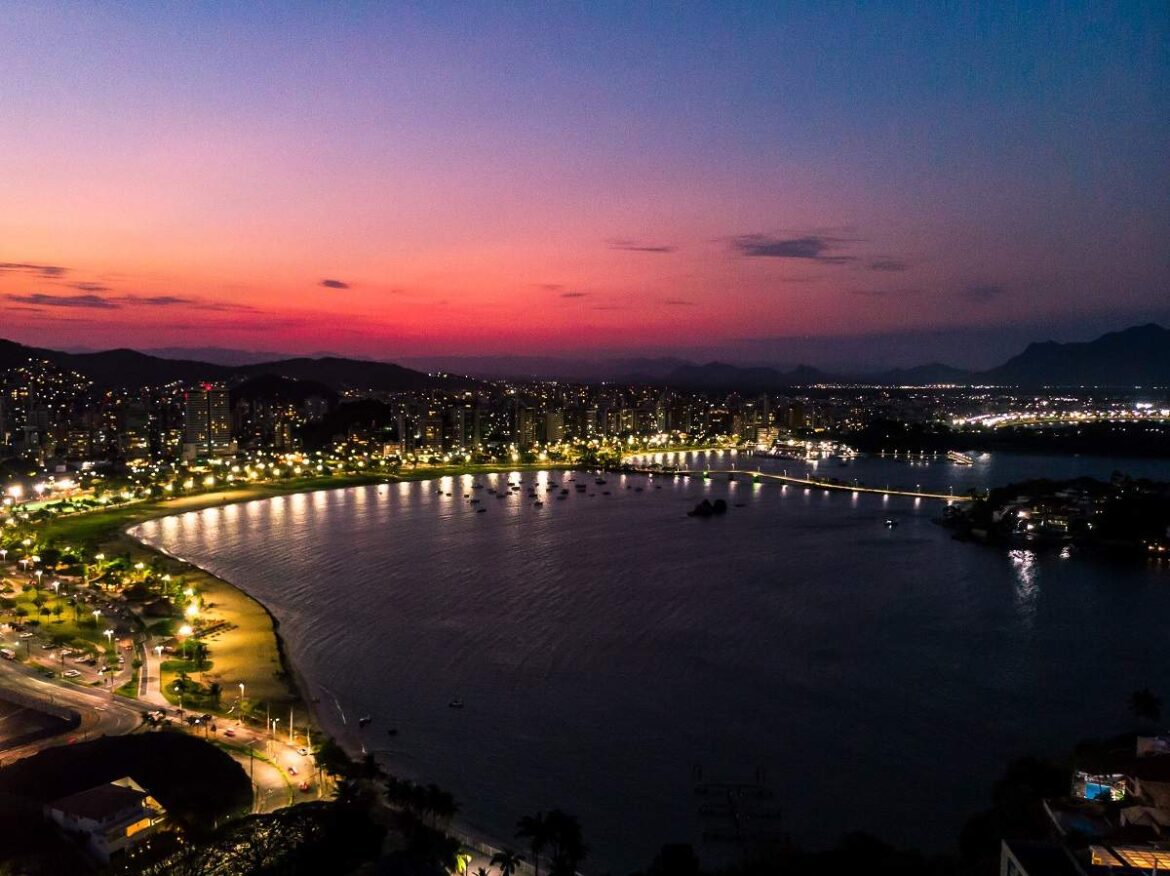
[1027,587]
[626,643]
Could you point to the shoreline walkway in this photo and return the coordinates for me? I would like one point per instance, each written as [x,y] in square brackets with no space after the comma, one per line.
[785,479]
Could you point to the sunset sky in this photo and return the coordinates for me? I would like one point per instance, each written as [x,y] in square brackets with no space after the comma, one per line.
[392,179]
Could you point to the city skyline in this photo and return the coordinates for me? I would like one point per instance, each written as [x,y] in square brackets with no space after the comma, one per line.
[881,187]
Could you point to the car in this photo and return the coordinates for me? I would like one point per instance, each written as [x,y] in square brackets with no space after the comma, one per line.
[304,786]
[292,770]
[229,732]
[71,673]
[303,752]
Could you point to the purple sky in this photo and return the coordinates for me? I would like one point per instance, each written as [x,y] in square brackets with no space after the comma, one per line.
[762,182]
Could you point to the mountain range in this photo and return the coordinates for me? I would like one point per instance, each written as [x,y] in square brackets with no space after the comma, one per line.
[130,368]
[1137,356]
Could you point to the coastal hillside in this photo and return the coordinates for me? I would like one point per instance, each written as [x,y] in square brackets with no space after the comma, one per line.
[132,369]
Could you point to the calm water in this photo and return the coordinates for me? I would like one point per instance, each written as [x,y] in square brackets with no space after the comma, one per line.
[606,646]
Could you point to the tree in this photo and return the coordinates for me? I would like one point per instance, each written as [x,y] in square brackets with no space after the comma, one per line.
[508,862]
[1145,705]
[332,758]
[567,842]
[534,828]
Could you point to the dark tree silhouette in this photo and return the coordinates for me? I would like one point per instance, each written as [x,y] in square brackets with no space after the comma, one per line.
[534,828]
[508,862]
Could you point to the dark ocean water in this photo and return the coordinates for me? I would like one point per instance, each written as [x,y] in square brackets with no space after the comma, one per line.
[607,647]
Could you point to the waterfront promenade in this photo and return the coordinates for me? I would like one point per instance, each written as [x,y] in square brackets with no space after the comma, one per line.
[784,479]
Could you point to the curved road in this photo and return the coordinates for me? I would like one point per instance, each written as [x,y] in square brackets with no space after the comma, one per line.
[101,713]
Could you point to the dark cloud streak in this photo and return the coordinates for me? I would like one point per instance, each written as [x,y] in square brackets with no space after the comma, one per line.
[26,268]
[39,299]
[637,246]
[812,247]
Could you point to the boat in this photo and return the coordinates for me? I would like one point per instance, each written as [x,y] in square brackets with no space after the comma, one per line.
[456,703]
[959,458]
[538,504]
[599,481]
[891,523]
[481,510]
[364,720]
[392,731]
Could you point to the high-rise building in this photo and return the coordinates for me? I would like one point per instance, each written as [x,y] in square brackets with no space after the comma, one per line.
[554,427]
[525,432]
[207,421]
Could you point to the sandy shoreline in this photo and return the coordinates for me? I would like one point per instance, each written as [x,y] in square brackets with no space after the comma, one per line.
[325,714]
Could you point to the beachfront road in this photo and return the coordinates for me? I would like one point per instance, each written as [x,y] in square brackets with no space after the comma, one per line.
[101,714]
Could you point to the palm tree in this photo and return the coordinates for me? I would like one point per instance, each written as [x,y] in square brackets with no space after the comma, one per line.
[534,828]
[480,871]
[508,862]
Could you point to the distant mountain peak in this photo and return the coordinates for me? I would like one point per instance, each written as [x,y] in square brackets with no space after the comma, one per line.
[1135,356]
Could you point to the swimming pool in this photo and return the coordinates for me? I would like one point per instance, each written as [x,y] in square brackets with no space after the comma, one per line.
[1093,790]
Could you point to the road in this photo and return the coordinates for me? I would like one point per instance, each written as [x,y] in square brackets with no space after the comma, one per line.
[101,714]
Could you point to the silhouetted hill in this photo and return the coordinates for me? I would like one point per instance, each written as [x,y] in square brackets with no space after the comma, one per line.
[115,367]
[285,389]
[130,368]
[1138,356]
[356,374]
[218,355]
